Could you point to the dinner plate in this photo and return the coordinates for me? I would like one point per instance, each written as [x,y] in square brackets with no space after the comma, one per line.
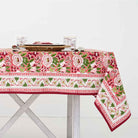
[44,47]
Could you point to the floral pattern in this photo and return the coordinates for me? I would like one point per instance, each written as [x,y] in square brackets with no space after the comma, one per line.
[89,72]
[47,60]
[77,61]
[17,59]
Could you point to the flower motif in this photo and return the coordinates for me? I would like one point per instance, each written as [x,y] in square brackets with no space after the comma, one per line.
[47,60]
[14,68]
[105,61]
[33,69]
[7,59]
[77,61]
[17,59]
[2,69]
[113,73]
[118,81]
[2,63]
[43,69]
[62,63]
[32,63]
[63,69]
[110,82]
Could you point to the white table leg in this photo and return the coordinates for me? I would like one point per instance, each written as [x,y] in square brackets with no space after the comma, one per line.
[17,115]
[73,116]
[36,120]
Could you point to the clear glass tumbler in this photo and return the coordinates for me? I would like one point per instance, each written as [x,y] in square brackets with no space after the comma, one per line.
[71,41]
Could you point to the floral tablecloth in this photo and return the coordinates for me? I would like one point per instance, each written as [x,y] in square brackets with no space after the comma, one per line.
[82,73]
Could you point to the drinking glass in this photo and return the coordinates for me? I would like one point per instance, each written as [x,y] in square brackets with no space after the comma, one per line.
[21,40]
[71,41]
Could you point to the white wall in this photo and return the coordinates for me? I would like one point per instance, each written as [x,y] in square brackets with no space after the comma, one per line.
[110,25]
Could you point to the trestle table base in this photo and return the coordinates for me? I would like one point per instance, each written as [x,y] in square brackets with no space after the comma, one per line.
[73,116]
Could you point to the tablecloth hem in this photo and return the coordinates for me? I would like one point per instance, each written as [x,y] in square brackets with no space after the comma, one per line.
[112,129]
[64,93]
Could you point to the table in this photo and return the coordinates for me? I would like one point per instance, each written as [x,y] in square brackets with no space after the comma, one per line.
[91,72]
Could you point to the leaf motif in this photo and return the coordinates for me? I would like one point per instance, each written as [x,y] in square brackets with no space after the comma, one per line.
[105,78]
[8,84]
[7,67]
[1,59]
[23,54]
[83,66]
[25,84]
[28,68]
[82,70]
[112,105]
[16,78]
[61,60]
[103,90]
[55,61]
[89,67]
[118,95]
[28,65]
[31,60]
[42,85]
[51,69]
[33,79]
[52,65]
[25,60]
[22,69]
[101,80]
[37,67]
[58,69]
[68,71]
[122,112]
[50,79]
[125,102]
[22,65]
[103,100]
[121,88]
[58,85]
[67,80]
[98,68]
[112,116]
[76,86]
[108,75]
[84,56]
[98,72]
[114,89]
[93,86]
[53,55]
[110,66]
[7,70]
[84,80]
[85,61]
[92,62]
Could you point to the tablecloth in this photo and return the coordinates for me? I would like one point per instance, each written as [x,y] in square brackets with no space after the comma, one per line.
[91,72]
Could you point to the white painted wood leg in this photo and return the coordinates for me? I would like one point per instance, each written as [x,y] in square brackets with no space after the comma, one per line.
[17,114]
[69,116]
[36,120]
[73,116]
